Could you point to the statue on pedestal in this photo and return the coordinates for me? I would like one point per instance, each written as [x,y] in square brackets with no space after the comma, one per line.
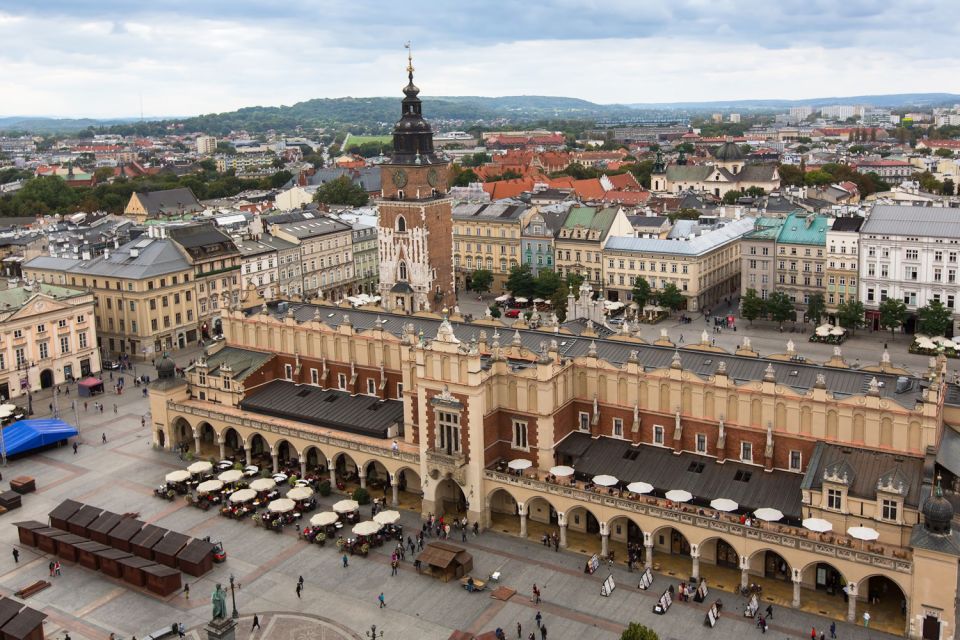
[219,601]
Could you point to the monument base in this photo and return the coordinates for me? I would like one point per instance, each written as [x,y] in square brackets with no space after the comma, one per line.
[221,629]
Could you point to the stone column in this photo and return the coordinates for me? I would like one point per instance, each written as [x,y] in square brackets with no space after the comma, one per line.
[852,602]
[562,523]
[648,551]
[303,468]
[604,540]
[744,575]
[223,448]
[276,460]
[796,591]
[363,478]
[487,517]
[395,487]
[695,556]
[333,477]
[522,512]
[248,451]
[196,445]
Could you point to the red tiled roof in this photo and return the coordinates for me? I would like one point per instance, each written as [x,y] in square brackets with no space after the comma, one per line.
[508,188]
[589,189]
[563,182]
[940,144]
[624,181]
[626,197]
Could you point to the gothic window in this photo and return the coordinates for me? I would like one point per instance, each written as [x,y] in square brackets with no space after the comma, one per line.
[402,269]
[401,222]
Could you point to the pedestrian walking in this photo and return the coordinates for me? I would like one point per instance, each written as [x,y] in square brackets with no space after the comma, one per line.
[103,436]
[833,631]
[380,599]
[186,591]
[536,594]
[299,589]
[813,633]
[394,564]
[769,612]
[256,623]
[50,566]
[344,561]
[16,556]
[519,632]
[463,535]
[543,632]
[866,619]
[84,406]
[114,408]
[476,528]
[823,636]
[539,619]
[56,570]
[74,448]
[181,630]
[300,582]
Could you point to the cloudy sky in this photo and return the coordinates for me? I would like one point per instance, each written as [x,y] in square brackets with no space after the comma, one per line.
[97,58]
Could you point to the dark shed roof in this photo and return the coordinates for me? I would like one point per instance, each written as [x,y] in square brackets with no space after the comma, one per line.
[65,509]
[865,469]
[105,523]
[126,529]
[23,624]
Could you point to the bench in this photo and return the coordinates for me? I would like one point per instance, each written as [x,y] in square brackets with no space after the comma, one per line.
[165,632]
[34,588]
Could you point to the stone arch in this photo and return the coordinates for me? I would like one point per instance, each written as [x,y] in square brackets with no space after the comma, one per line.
[541,510]
[719,552]
[580,518]
[822,575]
[232,441]
[315,458]
[449,497]
[883,597]
[771,564]
[347,469]
[285,451]
[670,541]
[409,480]
[257,444]
[376,473]
[625,530]
[180,431]
[207,433]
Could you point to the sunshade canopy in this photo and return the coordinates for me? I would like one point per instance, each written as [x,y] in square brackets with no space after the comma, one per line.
[346,506]
[769,515]
[201,466]
[724,504]
[520,464]
[679,495]
[387,517]
[604,480]
[817,524]
[244,495]
[282,505]
[324,519]
[209,485]
[181,475]
[230,476]
[562,471]
[366,528]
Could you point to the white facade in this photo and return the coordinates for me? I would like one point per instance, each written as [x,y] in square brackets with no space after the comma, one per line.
[259,267]
[294,197]
[206,145]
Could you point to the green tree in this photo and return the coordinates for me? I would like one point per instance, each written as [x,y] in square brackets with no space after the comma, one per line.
[816,307]
[574,280]
[494,311]
[686,213]
[893,313]
[509,174]
[641,171]
[464,177]
[817,178]
[475,160]
[850,315]
[791,174]
[546,284]
[103,174]
[780,308]
[279,179]
[226,148]
[948,187]
[934,319]
[46,194]
[943,153]
[731,197]
[641,291]
[928,182]
[558,302]
[481,280]
[636,631]
[756,192]
[520,282]
[670,297]
[342,191]
[752,306]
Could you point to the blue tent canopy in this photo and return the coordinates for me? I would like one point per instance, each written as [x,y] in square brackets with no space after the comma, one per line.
[26,435]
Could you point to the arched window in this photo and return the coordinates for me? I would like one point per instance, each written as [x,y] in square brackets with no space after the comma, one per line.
[402,270]
[399,194]
[401,223]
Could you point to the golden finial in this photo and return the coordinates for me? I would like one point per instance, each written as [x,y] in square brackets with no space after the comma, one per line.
[409,58]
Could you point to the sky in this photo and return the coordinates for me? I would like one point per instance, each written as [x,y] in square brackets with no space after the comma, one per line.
[79,58]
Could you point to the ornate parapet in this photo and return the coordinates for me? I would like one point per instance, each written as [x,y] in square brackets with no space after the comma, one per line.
[441,465]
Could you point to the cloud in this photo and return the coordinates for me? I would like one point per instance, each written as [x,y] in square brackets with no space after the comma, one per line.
[186,57]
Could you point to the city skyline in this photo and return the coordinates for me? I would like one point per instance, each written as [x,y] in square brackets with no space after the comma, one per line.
[64,60]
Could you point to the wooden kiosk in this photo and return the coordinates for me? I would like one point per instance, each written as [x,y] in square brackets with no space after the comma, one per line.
[109,560]
[142,544]
[132,569]
[47,538]
[162,580]
[63,512]
[121,535]
[196,558]
[445,560]
[82,519]
[25,531]
[67,546]
[87,554]
[101,527]
[165,552]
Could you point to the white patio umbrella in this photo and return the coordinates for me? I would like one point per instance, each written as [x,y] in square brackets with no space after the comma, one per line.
[817,524]
[837,331]
[263,484]
[537,300]
[502,298]
[281,505]
[768,515]
[178,476]
[562,471]
[324,519]
[520,464]
[280,477]
[724,504]
[251,470]
[640,487]
[223,465]
[300,493]
[823,331]
[366,528]
[243,495]
[387,517]
[8,407]
[520,300]
[209,485]
[230,476]
[5,413]
[203,466]
[346,506]
[605,480]
[863,533]
[679,495]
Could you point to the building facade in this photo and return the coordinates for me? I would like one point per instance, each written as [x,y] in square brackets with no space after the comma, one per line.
[487,236]
[758,249]
[582,238]
[843,262]
[365,250]
[49,337]
[763,432]
[415,232]
[910,254]
[326,255]
[801,257]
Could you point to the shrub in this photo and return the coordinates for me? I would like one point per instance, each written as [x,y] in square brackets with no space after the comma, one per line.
[361,495]
[324,488]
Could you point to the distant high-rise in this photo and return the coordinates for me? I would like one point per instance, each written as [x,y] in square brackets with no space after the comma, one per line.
[206,145]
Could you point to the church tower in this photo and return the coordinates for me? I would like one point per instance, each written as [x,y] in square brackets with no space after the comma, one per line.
[415,233]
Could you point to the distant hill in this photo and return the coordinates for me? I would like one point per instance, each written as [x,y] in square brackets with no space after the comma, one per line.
[382,112]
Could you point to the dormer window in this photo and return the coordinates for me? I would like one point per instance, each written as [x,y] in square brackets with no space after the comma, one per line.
[834,499]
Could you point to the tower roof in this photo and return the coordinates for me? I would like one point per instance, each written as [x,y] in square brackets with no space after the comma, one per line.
[412,136]
[728,152]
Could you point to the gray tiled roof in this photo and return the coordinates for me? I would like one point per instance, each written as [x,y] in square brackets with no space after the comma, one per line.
[801,376]
[242,362]
[929,222]
[864,467]
[169,201]
[157,256]
[696,246]
[502,211]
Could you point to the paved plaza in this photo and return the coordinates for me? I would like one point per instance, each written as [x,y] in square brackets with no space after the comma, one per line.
[337,602]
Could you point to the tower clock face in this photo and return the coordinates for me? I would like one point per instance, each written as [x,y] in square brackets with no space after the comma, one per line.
[433,177]
[400,178]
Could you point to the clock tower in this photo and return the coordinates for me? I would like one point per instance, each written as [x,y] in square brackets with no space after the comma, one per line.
[415,233]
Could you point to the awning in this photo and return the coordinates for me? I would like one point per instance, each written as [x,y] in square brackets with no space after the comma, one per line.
[27,435]
[91,382]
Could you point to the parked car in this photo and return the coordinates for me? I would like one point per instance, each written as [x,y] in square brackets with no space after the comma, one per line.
[110,364]
[616,321]
[513,313]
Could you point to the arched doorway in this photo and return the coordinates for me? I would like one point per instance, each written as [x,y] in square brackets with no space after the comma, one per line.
[409,489]
[232,444]
[824,584]
[347,472]
[208,437]
[316,462]
[46,378]
[182,433]
[450,499]
[885,601]
[626,540]
[504,513]
[583,531]
[260,452]
[671,552]
[378,480]
[719,564]
[287,458]
[774,566]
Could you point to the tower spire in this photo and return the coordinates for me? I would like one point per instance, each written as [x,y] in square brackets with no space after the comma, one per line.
[409,61]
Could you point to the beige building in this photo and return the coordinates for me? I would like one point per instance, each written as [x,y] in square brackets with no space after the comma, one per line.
[487,236]
[758,250]
[843,262]
[145,300]
[705,268]
[801,257]
[810,440]
[48,338]
[326,255]
[728,171]
[582,237]
[158,205]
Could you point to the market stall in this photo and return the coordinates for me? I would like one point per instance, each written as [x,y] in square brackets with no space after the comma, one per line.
[132,569]
[89,387]
[162,580]
[121,535]
[63,512]
[109,560]
[196,558]
[47,538]
[444,560]
[87,554]
[25,531]
[67,546]
[82,519]
[165,552]
[100,528]
[142,544]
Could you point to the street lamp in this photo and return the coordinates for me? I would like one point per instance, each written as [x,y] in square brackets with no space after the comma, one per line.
[233,597]
[372,634]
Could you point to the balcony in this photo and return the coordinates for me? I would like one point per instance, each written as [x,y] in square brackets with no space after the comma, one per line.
[440,465]
[886,557]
